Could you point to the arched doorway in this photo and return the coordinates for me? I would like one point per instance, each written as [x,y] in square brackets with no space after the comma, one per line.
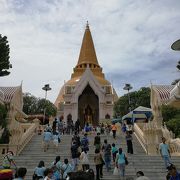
[88,107]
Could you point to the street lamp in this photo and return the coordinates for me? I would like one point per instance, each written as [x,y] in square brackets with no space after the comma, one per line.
[46,88]
[176,45]
[128,87]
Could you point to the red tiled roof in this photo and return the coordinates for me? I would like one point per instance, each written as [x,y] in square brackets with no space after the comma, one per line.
[8,93]
[163,92]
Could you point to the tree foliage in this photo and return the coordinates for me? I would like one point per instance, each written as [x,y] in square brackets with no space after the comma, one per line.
[171,116]
[3,114]
[137,98]
[33,105]
[4,56]
[168,112]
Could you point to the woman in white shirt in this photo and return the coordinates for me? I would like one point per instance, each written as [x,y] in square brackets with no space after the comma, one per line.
[84,160]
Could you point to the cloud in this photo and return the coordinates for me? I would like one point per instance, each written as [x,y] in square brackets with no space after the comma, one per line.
[132,41]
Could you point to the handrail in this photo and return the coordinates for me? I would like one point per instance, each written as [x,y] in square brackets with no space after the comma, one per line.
[140,136]
[25,138]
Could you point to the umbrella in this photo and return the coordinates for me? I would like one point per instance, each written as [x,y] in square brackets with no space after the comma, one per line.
[143,110]
[138,113]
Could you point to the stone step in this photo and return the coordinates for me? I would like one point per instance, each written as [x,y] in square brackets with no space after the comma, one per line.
[152,166]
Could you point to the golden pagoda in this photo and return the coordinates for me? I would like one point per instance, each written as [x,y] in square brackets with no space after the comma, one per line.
[87,96]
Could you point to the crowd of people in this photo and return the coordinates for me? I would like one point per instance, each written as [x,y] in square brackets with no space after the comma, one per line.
[105,154]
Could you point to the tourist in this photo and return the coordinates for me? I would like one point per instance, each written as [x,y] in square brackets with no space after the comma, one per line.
[98,160]
[165,152]
[47,136]
[114,151]
[56,174]
[140,176]
[98,130]
[102,128]
[74,154]
[129,143]
[124,128]
[77,126]
[48,128]
[76,138]
[120,162]
[8,160]
[107,129]
[55,122]
[68,126]
[107,154]
[39,171]
[84,160]
[48,173]
[174,174]
[56,140]
[87,128]
[60,126]
[66,168]
[97,141]
[114,129]
[85,143]
[57,163]
[72,127]
[21,173]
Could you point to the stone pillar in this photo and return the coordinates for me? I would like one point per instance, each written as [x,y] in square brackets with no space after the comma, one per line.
[153,132]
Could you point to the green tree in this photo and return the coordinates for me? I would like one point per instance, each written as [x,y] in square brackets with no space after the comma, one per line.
[4,139]
[4,56]
[49,106]
[168,112]
[137,98]
[174,125]
[33,105]
[171,116]
[3,114]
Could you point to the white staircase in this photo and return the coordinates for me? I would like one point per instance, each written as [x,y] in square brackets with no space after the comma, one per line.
[152,166]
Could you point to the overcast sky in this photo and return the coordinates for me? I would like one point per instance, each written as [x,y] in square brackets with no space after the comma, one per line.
[132,40]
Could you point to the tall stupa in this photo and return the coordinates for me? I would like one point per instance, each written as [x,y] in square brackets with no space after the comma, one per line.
[87,96]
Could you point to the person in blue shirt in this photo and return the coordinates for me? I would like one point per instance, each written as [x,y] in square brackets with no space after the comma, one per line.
[174,174]
[120,162]
[114,151]
[47,136]
[66,168]
[39,170]
[165,152]
[85,143]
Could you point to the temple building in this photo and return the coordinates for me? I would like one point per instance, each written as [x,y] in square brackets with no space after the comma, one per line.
[87,96]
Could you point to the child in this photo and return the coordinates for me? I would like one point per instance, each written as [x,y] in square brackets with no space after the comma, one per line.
[114,151]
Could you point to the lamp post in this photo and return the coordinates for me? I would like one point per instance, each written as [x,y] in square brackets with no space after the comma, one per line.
[46,88]
[128,87]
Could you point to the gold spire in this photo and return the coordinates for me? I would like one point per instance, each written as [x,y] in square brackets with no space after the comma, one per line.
[87,53]
[87,58]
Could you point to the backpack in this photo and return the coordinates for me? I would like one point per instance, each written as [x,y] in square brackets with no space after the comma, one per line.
[84,142]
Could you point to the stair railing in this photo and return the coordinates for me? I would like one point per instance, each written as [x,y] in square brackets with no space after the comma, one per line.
[140,136]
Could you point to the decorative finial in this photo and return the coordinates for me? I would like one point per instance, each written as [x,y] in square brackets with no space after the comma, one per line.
[87,25]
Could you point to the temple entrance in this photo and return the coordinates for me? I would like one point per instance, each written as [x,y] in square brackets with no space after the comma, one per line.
[88,107]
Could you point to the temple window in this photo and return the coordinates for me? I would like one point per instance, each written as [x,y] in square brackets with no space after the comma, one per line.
[108,102]
[67,102]
[68,89]
[108,89]
[85,65]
